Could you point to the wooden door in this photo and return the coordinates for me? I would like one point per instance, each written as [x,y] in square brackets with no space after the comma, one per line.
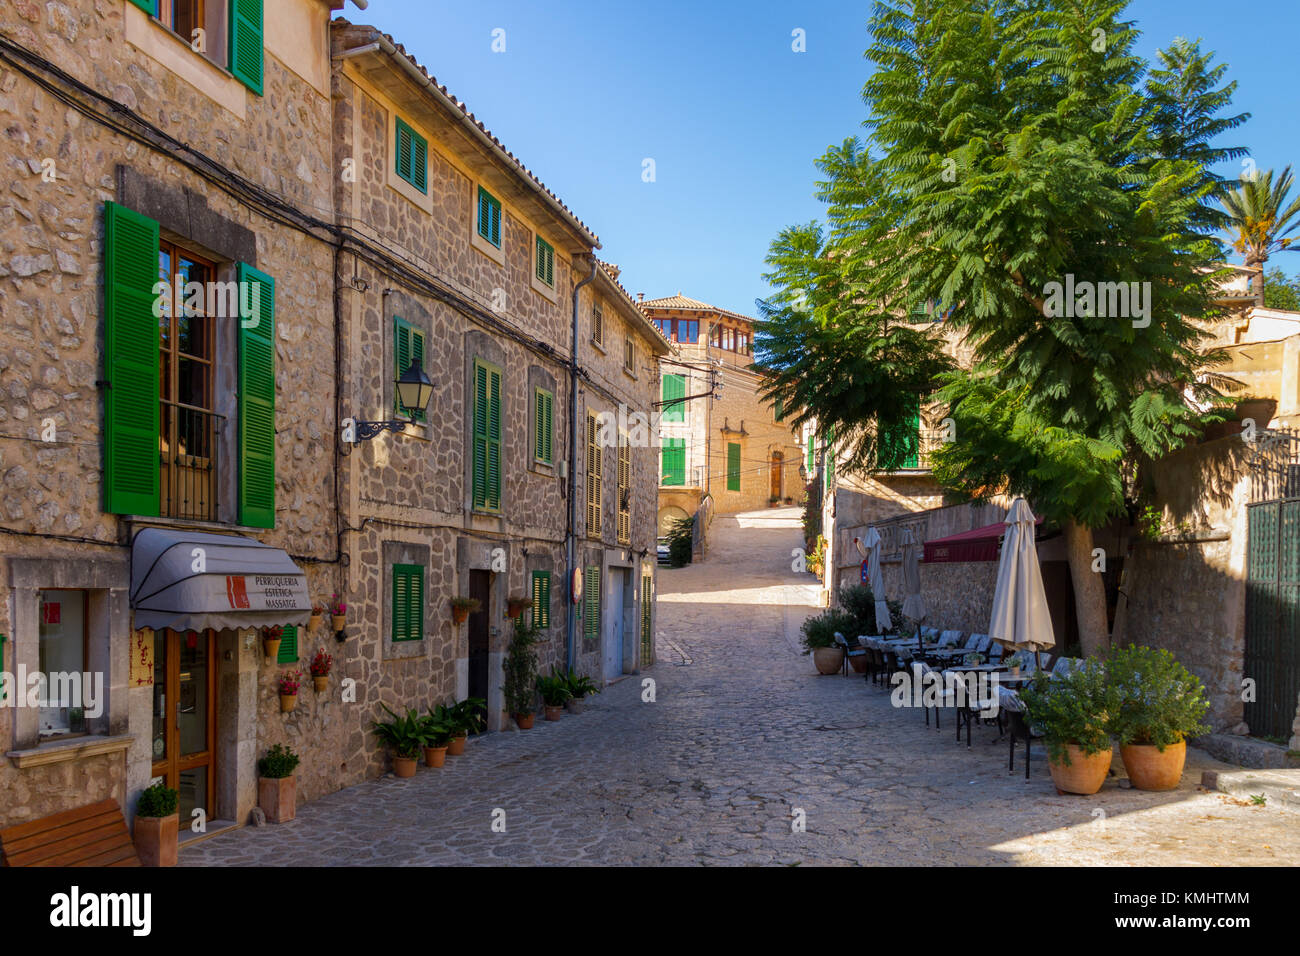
[778,464]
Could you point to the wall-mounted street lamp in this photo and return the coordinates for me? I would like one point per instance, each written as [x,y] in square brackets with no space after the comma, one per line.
[414,389]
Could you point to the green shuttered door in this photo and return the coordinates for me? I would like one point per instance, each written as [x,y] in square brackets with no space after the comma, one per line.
[733,466]
[591,602]
[487,437]
[246,43]
[674,387]
[131,343]
[257,401]
[673,466]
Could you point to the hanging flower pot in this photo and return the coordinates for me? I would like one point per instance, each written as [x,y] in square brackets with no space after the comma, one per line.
[320,670]
[462,608]
[516,605]
[271,638]
[317,615]
[290,682]
[321,684]
[338,613]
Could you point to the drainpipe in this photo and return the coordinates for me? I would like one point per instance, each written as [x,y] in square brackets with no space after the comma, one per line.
[571,539]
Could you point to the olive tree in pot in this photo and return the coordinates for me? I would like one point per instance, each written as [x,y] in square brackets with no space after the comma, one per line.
[1159,704]
[519,687]
[277,787]
[1072,712]
[156,832]
[819,638]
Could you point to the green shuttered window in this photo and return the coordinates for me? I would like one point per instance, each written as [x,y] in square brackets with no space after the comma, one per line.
[408,602]
[246,43]
[131,343]
[674,387]
[148,6]
[811,463]
[673,467]
[288,646]
[408,347]
[487,437]
[647,636]
[733,466]
[412,156]
[257,402]
[545,261]
[543,424]
[542,599]
[489,217]
[591,602]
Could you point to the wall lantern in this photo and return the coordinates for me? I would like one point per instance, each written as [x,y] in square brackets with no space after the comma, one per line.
[414,389]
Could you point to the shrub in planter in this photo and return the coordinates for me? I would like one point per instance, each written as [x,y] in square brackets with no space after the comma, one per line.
[277,787]
[438,729]
[1072,712]
[405,736]
[1159,703]
[463,607]
[520,668]
[470,717]
[156,832]
[819,638]
[555,693]
[580,686]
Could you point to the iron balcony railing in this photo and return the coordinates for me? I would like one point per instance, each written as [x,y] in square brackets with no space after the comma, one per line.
[188,454]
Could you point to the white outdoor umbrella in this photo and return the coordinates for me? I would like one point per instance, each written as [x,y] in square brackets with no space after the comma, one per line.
[877,580]
[913,604]
[1020,617]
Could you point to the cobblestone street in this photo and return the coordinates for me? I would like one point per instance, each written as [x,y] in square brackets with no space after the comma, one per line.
[743,733]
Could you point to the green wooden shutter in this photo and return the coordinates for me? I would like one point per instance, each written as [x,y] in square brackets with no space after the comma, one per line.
[591,602]
[543,422]
[257,402]
[779,411]
[830,457]
[288,646]
[733,466]
[647,642]
[489,217]
[487,437]
[545,261]
[148,6]
[811,462]
[408,602]
[131,343]
[674,387]
[411,155]
[480,435]
[494,440]
[246,43]
[408,347]
[673,465]
[542,598]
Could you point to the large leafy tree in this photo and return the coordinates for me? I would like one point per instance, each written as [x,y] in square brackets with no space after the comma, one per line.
[1021,146]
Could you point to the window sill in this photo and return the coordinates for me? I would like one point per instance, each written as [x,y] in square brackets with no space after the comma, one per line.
[77,748]
[190,524]
[496,253]
[631,374]
[213,80]
[545,291]
[598,347]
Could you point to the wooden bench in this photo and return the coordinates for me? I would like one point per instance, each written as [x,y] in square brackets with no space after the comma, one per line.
[88,836]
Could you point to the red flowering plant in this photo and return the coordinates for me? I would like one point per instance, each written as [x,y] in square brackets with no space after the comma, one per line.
[321,664]
[274,632]
[290,681]
[337,608]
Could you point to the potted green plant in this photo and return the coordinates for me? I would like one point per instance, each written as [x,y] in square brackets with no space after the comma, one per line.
[438,729]
[463,607]
[277,787]
[271,638]
[288,684]
[555,692]
[516,604]
[1072,712]
[1160,704]
[469,716]
[317,615]
[1013,664]
[519,687]
[819,638]
[156,832]
[580,686]
[338,613]
[405,735]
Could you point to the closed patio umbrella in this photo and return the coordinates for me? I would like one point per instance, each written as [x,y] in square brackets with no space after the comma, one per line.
[1020,619]
[913,605]
[876,580]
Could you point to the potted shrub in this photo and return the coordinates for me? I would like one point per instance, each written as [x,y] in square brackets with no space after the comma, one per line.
[519,687]
[1072,712]
[580,686]
[277,787]
[1159,705]
[338,613]
[405,736]
[1013,665]
[438,730]
[463,607]
[271,638]
[156,832]
[317,615]
[819,638]
[320,670]
[516,604]
[469,716]
[289,683]
[555,692]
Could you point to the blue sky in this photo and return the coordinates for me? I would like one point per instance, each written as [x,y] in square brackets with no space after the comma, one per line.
[731,116]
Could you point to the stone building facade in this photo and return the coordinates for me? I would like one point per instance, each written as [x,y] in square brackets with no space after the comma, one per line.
[722,439]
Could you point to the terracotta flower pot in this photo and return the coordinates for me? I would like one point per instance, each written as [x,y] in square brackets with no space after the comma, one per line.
[278,796]
[525,721]
[829,660]
[271,647]
[313,622]
[322,683]
[339,621]
[573,705]
[404,766]
[435,756]
[1085,774]
[157,839]
[553,711]
[515,608]
[459,614]
[859,664]
[288,702]
[457,745]
[1149,769]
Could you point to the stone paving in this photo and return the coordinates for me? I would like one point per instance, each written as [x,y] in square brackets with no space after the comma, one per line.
[741,737]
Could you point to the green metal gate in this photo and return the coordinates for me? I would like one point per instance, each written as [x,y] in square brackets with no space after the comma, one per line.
[1273,615]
